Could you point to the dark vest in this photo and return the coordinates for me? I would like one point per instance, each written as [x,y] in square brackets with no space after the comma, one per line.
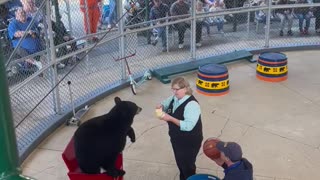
[174,130]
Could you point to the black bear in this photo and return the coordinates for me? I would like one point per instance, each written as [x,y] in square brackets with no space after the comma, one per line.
[98,141]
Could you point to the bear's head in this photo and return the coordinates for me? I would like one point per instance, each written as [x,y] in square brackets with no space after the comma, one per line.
[125,110]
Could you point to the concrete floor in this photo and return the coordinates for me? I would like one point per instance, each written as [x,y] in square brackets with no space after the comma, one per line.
[277,125]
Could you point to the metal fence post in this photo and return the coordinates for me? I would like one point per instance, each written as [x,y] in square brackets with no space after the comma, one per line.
[193,31]
[67,2]
[55,79]
[119,5]
[9,169]
[267,31]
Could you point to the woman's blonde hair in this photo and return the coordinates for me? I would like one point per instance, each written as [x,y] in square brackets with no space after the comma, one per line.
[182,83]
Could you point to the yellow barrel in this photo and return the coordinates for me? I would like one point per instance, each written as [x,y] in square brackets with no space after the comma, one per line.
[272,67]
[213,80]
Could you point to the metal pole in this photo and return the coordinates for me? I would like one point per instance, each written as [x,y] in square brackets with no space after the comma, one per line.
[247,4]
[9,169]
[119,9]
[267,31]
[167,32]
[53,59]
[193,31]
[67,2]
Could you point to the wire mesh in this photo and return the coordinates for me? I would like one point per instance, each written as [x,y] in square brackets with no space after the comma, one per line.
[98,71]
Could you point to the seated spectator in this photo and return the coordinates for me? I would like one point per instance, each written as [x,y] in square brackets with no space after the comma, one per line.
[62,36]
[261,15]
[17,28]
[285,15]
[234,18]
[303,14]
[31,9]
[316,12]
[235,166]
[12,6]
[180,7]
[218,20]
[160,10]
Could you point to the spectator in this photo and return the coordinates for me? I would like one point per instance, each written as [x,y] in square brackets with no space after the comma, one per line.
[261,15]
[160,10]
[316,13]
[93,10]
[12,6]
[235,166]
[180,7]
[285,15]
[112,13]
[17,28]
[199,22]
[62,36]
[218,20]
[229,4]
[303,14]
[30,8]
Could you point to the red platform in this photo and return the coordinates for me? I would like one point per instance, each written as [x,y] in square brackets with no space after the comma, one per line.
[74,171]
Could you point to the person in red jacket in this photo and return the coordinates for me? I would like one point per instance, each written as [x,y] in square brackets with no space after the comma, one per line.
[92,18]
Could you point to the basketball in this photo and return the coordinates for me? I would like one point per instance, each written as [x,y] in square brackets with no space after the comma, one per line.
[209,148]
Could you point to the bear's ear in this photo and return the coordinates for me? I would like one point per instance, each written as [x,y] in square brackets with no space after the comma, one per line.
[117,100]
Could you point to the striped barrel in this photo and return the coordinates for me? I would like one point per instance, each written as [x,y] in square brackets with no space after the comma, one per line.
[213,80]
[272,67]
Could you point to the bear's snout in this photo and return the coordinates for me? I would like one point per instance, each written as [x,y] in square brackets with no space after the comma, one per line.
[139,110]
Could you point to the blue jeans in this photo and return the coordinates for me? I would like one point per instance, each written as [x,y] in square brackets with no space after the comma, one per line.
[301,17]
[219,22]
[113,12]
[162,34]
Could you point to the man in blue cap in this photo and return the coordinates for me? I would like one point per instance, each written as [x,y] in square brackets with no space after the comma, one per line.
[235,166]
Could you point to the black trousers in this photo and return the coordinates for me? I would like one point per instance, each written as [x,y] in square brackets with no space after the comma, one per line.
[182,27]
[317,16]
[185,152]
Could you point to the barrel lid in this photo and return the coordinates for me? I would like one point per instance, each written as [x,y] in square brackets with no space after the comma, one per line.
[273,56]
[213,69]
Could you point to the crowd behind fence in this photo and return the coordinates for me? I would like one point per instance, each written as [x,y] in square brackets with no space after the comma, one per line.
[161,35]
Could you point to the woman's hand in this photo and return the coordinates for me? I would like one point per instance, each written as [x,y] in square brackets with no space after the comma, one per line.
[159,106]
[166,117]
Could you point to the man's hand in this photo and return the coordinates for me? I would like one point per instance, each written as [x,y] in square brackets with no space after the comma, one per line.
[218,161]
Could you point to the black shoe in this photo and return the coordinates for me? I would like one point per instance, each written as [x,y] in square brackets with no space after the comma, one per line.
[164,49]
[281,33]
[290,33]
[155,42]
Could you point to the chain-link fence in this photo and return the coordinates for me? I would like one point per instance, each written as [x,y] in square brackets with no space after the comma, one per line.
[83,51]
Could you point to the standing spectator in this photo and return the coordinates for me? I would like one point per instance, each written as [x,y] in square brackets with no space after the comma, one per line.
[235,166]
[303,14]
[93,10]
[183,115]
[112,14]
[285,15]
[17,28]
[160,10]
[180,7]
[316,13]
